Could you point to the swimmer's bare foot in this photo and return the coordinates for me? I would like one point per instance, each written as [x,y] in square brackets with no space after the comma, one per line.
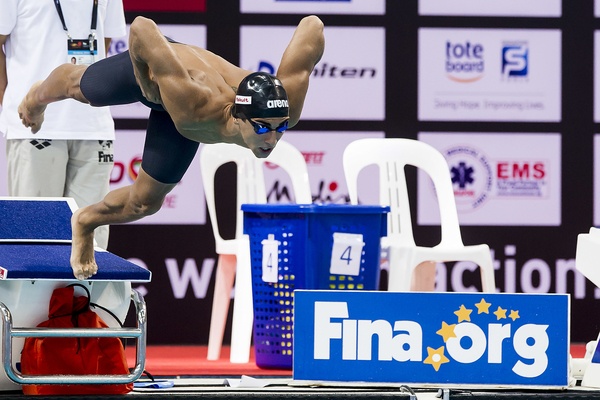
[82,250]
[30,111]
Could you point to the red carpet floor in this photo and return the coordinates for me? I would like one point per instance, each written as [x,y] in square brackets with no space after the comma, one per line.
[191,361]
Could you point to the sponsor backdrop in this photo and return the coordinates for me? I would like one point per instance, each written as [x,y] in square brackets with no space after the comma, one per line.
[489,75]
[506,89]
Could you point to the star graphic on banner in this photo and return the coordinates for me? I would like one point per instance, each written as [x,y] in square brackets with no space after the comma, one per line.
[436,357]
[446,331]
[500,313]
[463,313]
[514,315]
[483,307]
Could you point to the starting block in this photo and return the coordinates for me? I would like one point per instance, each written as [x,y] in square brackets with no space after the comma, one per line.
[35,247]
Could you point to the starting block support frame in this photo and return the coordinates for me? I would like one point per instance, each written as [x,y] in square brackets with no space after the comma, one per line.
[35,245]
[139,333]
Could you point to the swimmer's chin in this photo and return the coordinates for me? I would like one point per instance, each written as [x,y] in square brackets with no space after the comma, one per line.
[263,152]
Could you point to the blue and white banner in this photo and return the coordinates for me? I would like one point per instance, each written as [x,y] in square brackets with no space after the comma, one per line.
[489,74]
[474,339]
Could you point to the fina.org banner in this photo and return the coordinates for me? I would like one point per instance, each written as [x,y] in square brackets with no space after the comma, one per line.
[492,8]
[373,7]
[189,34]
[357,75]
[498,178]
[489,75]
[474,339]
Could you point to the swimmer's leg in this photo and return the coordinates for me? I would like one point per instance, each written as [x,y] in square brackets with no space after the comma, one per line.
[107,82]
[62,83]
[167,155]
[126,204]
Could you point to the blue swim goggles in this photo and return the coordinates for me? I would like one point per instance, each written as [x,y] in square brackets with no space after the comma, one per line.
[261,129]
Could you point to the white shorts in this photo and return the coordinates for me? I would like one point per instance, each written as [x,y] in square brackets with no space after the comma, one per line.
[61,168]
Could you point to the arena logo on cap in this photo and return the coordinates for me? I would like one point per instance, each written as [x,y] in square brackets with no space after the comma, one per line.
[243,99]
[277,104]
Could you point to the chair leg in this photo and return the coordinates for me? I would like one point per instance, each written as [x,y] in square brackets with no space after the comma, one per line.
[488,279]
[220,308]
[400,272]
[243,309]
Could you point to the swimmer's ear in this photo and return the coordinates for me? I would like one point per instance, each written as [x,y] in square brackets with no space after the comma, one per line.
[238,123]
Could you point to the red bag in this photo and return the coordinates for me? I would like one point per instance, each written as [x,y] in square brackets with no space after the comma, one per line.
[73,355]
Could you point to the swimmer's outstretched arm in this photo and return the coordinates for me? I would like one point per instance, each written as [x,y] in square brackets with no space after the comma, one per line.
[122,205]
[298,61]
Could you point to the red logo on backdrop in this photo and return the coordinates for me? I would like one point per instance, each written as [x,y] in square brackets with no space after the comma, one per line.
[313,157]
[162,5]
[119,170]
[520,170]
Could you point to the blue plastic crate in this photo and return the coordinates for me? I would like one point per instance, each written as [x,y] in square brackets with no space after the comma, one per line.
[314,246]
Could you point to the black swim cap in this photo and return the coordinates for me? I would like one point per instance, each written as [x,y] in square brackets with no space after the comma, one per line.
[260,95]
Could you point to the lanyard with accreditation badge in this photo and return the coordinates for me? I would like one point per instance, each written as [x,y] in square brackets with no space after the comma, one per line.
[81,51]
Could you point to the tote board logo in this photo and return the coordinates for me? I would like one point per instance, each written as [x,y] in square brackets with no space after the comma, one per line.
[479,338]
[464,61]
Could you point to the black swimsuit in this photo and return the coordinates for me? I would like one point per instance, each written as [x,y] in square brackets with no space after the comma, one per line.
[167,154]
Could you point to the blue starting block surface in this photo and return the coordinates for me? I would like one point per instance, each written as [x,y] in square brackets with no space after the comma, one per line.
[51,261]
[35,243]
[36,220]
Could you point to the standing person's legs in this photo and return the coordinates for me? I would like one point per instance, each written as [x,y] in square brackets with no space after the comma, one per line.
[36,167]
[88,176]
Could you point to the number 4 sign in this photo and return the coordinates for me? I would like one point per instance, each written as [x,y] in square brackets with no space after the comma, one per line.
[346,254]
[270,266]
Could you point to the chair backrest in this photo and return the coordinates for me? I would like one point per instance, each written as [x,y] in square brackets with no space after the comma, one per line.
[250,179]
[391,155]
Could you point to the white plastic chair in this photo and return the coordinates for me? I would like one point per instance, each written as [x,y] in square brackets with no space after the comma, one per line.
[391,156]
[234,254]
[587,256]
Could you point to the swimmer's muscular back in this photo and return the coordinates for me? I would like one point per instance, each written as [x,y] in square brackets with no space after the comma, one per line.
[193,84]
[196,86]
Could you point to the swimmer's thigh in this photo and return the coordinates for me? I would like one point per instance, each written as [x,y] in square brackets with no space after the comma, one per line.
[167,154]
